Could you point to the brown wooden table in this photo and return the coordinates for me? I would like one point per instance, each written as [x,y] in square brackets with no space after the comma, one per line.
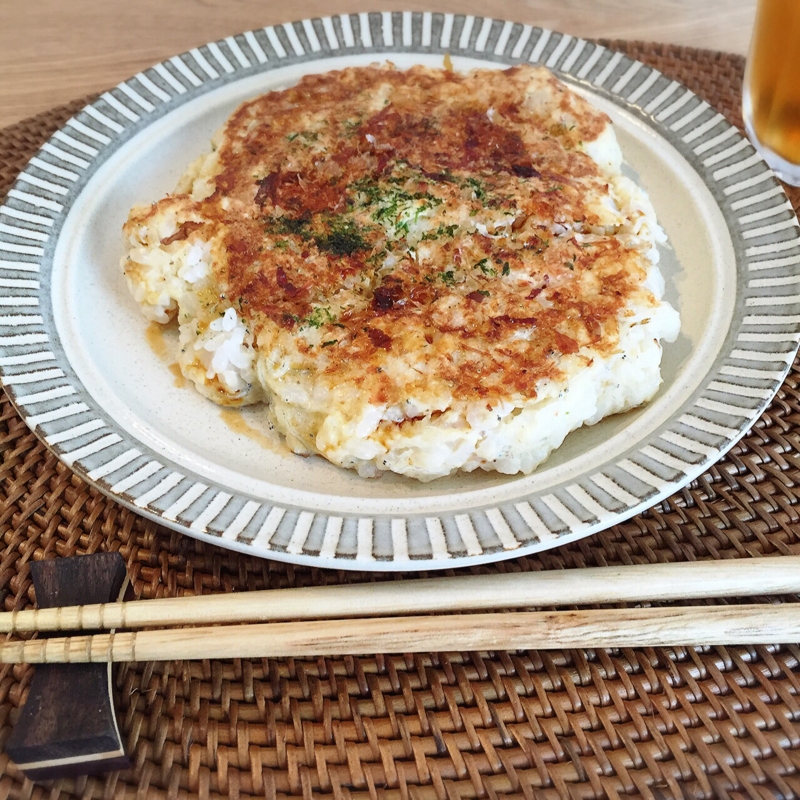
[53,51]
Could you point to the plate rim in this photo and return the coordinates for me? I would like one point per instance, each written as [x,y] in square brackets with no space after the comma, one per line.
[41,198]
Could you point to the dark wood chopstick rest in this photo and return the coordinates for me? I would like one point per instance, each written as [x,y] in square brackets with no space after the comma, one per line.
[68,725]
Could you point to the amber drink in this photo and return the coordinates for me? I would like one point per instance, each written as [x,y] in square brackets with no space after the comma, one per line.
[771,99]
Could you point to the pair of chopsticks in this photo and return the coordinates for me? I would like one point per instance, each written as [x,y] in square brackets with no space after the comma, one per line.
[419,616]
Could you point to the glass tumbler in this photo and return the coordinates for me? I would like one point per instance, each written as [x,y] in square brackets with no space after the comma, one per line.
[771,96]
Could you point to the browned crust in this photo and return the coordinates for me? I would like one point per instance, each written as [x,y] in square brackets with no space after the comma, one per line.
[297,168]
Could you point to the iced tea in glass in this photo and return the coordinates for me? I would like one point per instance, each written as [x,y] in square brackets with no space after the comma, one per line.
[771,98]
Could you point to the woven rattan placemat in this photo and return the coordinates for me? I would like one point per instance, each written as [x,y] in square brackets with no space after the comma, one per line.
[706,722]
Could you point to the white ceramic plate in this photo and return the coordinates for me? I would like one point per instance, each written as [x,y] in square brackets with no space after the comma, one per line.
[75,357]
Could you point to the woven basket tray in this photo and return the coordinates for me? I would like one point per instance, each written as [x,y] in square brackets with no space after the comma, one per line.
[706,722]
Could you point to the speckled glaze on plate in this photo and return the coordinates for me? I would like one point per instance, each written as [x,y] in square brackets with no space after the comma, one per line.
[75,360]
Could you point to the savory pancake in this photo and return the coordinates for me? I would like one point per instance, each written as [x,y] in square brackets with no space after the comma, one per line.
[419,271]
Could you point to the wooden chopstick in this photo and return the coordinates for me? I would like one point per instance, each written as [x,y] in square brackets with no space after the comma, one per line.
[617,627]
[762,576]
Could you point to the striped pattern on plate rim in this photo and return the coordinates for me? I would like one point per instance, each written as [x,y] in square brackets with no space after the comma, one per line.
[762,341]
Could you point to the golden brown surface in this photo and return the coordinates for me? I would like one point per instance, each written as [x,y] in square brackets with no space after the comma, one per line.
[346,209]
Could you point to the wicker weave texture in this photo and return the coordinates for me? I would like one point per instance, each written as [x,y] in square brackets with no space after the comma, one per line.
[705,722]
